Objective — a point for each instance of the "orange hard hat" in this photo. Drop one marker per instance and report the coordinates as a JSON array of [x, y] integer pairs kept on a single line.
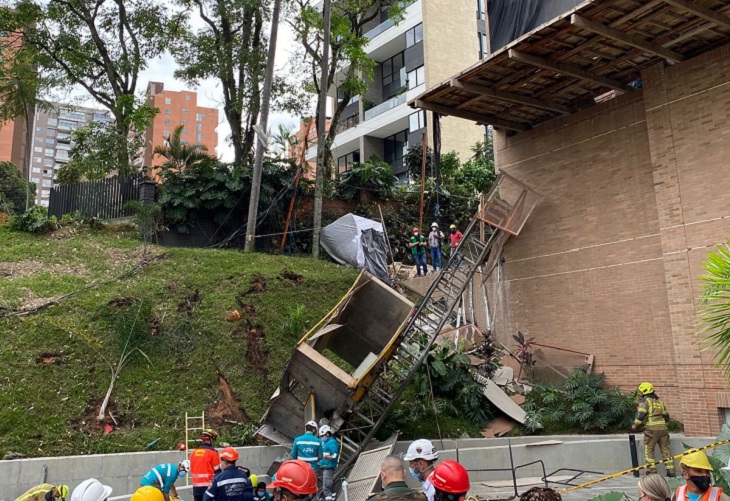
[[296, 476], [229, 454]]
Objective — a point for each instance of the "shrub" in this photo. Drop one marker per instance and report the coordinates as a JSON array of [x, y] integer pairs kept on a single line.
[[34, 220]]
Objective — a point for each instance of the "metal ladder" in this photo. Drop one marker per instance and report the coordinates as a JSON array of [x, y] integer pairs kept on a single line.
[[365, 417], [192, 424]]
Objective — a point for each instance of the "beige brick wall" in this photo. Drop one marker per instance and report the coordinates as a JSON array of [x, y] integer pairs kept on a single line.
[[635, 192], [450, 45]]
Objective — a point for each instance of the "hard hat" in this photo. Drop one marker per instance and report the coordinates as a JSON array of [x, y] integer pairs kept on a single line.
[[210, 433], [452, 227], [311, 424], [254, 480], [92, 490], [696, 460], [421, 449], [147, 493], [434, 225], [646, 388], [324, 430], [296, 476], [229, 454], [184, 464], [449, 476], [415, 229], [62, 491]]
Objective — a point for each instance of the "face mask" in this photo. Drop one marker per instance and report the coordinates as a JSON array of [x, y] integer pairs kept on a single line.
[[413, 473], [453, 231], [702, 483], [182, 474], [415, 234], [262, 494]]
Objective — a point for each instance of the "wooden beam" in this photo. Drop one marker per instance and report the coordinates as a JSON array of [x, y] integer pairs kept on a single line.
[[626, 38], [568, 69], [701, 11], [511, 97], [470, 115]]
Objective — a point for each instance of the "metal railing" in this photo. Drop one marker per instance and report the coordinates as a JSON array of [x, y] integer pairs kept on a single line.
[[383, 107]]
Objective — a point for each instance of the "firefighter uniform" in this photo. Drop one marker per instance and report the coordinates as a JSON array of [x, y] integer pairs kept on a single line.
[[653, 415]]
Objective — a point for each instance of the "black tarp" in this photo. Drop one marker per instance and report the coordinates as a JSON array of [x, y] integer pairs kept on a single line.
[[375, 250]]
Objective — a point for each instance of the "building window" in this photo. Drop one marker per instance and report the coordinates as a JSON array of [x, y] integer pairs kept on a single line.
[[167, 100], [391, 68], [199, 117], [345, 162], [47, 183], [48, 162], [49, 152], [38, 149], [36, 180], [53, 122], [416, 121], [481, 10], [167, 111], [166, 133], [414, 35], [184, 110], [199, 137], [184, 121], [51, 133], [199, 127], [482, 45], [36, 170], [416, 77], [50, 140], [184, 141], [167, 121], [394, 147], [187, 97], [39, 129], [38, 160]]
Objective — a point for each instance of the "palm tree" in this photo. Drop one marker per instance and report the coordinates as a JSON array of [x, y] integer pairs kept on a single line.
[[181, 155], [715, 304]]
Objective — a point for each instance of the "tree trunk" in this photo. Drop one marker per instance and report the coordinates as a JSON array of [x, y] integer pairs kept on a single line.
[[105, 403]]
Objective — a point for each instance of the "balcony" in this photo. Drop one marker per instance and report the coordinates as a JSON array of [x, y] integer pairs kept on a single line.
[[347, 123], [383, 107], [379, 29]]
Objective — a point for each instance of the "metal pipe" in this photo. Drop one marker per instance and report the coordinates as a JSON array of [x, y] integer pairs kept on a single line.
[[634, 455]]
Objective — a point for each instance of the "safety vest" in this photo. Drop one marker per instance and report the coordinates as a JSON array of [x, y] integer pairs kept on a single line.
[[36, 493], [653, 410], [711, 494], [203, 462]]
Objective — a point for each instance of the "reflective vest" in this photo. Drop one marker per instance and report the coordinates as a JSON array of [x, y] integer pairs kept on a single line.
[[711, 494], [652, 410], [37, 493], [308, 448], [203, 462]]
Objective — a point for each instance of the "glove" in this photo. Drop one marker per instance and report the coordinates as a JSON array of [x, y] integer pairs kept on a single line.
[[634, 427]]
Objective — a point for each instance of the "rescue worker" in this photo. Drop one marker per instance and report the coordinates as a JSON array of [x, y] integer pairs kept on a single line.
[[696, 471], [421, 457], [261, 493], [147, 493], [455, 237], [451, 481], [45, 492], [308, 447], [294, 482], [652, 413], [330, 458], [163, 477], [393, 481], [204, 464], [418, 250], [435, 239], [91, 490], [232, 483]]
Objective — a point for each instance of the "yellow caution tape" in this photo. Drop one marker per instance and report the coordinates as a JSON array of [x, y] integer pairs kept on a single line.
[[647, 465]]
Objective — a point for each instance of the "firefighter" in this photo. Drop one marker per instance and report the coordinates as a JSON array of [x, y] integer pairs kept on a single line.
[[653, 415], [45, 492], [450, 480], [204, 464], [232, 483], [308, 447]]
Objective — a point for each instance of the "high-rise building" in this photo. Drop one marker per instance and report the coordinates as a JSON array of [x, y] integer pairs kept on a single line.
[[435, 39], [13, 132], [52, 142], [297, 144], [178, 108]]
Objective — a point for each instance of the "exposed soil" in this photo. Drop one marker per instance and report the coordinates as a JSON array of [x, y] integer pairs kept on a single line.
[[258, 286], [25, 268], [187, 305], [257, 355], [294, 278], [30, 301], [49, 357], [87, 421], [119, 303], [227, 408]]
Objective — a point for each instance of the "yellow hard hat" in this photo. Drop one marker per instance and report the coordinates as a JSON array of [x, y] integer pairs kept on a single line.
[[696, 460], [254, 480], [62, 491], [147, 493], [646, 388], [452, 227]]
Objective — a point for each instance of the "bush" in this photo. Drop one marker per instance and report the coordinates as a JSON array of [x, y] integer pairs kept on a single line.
[[34, 220], [580, 404]]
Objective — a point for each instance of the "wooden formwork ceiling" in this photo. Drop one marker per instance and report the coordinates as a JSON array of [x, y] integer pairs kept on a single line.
[[595, 51]]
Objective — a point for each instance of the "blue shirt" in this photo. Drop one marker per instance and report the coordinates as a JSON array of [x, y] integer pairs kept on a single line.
[[263, 497], [330, 447], [308, 448], [162, 476], [230, 484]]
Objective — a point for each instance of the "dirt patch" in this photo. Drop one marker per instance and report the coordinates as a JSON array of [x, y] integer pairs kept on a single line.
[[49, 357], [187, 305], [227, 408], [247, 309], [119, 257], [119, 303], [88, 423], [258, 286], [25, 268], [30, 301], [294, 278], [257, 355]]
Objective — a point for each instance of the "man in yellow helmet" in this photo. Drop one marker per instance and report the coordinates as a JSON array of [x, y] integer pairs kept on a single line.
[[696, 471], [45, 492], [653, 415]]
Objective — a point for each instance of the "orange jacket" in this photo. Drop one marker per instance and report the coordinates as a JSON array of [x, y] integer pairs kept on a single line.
[[204, 462]]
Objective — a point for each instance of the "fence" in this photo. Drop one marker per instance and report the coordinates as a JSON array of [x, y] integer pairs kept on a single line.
[[101, 198]]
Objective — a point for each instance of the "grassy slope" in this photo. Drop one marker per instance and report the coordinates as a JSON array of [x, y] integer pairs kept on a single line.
[[49, 408]]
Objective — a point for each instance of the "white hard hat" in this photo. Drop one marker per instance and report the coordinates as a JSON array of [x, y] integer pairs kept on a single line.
[[185, 464], [324, 430], [434, 224], [313, 424], [421, 449], [91, 490]]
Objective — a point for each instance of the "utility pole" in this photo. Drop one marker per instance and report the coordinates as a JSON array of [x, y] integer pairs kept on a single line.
[[321, 133], [258, 165]]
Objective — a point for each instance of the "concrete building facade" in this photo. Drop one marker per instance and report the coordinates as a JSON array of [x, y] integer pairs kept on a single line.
[[178, 108]]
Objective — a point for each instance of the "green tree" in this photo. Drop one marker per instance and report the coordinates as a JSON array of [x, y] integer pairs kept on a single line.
[[14, 189], [180, 155], [364, 180], [715, 304]]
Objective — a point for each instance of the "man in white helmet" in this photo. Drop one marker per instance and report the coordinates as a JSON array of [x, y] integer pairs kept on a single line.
[[421, 457], [308, 447], [91, 490]]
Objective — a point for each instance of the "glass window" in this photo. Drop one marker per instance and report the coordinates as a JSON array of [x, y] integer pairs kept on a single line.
[[51, 133], [53, 122], [416, 77], [50, 140], [187, 97], [481, 10], [417, 121], [199, 137], [47, 183], [345, 162], [45, 171], [183, 141], [39, 129], [48, 162], [394, 145], [68, 124], [184, 110], [184, 121], [482, 45], [36, 180], [391, 68], [36, 170], [167, 111], [38, 149], [49, 152], [167, 121], [199, 117], [167, 100], [199, 127], [38, 160], [414, 35]]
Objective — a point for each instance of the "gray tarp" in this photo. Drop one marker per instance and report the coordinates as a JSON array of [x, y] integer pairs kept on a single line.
[[510, 19], [359, 242]]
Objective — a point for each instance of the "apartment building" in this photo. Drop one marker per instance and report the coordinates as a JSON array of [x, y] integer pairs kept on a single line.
[[13, 132], [296, 144], [52, 142], [178, 108], [435, 39]]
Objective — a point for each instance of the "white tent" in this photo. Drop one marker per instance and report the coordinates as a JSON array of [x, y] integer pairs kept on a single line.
[[343, 240]]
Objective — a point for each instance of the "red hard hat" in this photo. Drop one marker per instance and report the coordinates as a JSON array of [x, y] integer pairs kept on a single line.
[[296, 476], [415, 230], [229, 454], [449, 476]]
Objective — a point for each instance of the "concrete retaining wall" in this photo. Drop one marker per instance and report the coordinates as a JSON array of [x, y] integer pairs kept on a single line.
[[603, 453]]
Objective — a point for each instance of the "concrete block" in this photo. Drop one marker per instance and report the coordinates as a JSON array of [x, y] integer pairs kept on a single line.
[[115, 465]]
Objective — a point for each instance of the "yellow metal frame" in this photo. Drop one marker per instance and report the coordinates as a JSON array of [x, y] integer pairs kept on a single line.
[[188, 429]]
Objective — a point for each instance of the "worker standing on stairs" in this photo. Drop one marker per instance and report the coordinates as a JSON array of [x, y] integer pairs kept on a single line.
[[330, 458], [45, 492], [653, 415], [308, 447], [421, 457], [204, 464], [451, 481], [418, 249]]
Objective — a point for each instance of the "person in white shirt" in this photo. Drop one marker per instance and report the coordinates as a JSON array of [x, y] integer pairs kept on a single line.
[[421, 457]]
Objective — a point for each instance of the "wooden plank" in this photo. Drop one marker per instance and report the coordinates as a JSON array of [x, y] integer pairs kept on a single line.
[[701, 11], [626, 38], [541, 104], [635, 13], [568, 69], [470, 115]]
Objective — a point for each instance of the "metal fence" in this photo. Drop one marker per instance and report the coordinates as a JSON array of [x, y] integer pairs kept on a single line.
[[101, 198]]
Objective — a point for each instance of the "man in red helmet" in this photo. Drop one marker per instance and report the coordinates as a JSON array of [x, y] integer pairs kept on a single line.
[[450, 480], [204, 464], [295, 481], [232, 483]]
